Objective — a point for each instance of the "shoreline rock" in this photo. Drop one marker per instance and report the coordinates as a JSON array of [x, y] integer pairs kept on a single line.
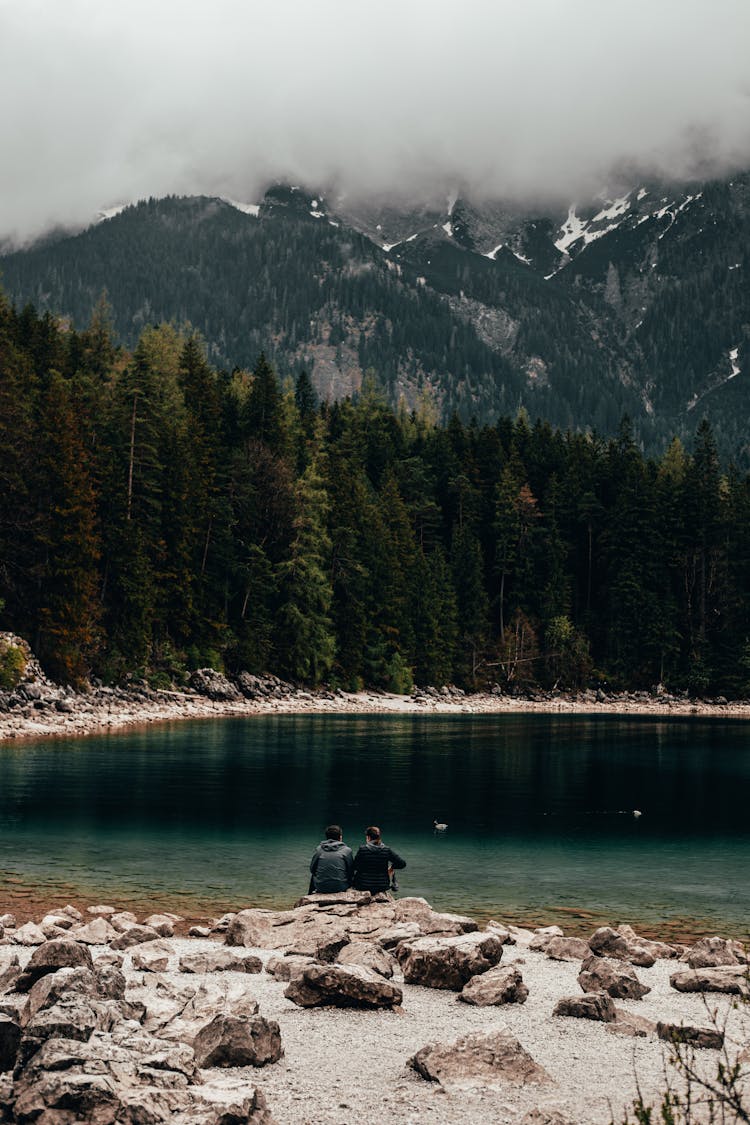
[[190, 1031], [39, 708]]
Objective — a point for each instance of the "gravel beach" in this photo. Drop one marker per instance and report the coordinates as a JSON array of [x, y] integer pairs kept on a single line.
[[57, 713], [342, 1065]]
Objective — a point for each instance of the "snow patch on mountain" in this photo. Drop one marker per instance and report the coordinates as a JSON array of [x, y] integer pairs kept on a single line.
[[718, 379], [246, 208], [388, 246], [733, 354], [110, 212], [492, 254], [572, 229], [577, 229], [673, 210], [616, 208]]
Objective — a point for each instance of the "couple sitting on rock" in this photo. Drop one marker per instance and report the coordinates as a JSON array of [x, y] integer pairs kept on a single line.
[[334, 868]]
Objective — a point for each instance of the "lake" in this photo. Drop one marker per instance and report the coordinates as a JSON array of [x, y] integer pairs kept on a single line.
[[206, 816]]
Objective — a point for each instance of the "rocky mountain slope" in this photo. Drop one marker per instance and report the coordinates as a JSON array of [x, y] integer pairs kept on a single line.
[[636, 304]]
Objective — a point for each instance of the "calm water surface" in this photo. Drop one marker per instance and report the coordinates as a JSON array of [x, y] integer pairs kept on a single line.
[[209, 815]]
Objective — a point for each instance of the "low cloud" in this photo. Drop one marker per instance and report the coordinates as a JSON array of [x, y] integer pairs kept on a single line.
[[545, 99]]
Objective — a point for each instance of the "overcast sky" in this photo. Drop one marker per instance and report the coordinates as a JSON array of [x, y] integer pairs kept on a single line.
[[109, 101]]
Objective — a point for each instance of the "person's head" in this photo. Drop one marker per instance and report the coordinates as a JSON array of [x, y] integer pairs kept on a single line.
[[372, 834], [333, 832]]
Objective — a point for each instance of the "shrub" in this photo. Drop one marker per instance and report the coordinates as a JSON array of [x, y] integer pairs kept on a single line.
[[12, 665], [400, 679]]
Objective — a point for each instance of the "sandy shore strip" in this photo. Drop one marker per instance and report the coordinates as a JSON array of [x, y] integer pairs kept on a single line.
[[342, 1065], [53, 712]]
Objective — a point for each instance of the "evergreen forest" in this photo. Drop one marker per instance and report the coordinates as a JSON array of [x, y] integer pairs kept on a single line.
[[158, 515]]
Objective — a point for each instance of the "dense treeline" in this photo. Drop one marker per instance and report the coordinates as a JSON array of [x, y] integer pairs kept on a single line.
[[157, 515]]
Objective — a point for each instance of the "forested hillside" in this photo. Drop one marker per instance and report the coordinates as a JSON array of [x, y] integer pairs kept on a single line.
[[158, 515], [638, 305]]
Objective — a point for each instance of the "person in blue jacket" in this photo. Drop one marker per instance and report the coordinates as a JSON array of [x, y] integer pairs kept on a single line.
[[332, 863]]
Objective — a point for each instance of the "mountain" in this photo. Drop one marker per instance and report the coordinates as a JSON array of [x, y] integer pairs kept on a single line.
[[637, 304]]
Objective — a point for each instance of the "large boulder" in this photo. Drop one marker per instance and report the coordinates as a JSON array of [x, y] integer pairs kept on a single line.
[[449, 962], [617, 978], [594, 1006], [430, 921], [367, 955], [96, 932], [250, 927], [606, 942], [502, 931], [46, 992], [178, 1012], [324, 944], [342, 986], [713, 952], [287, 968], [543, 935], [479, 1057], [10, 1039], [72, 1017], [122, 921], [503, 985], [59, 921], [661, 950], [110, 980], [134, 935], [705, 1037], [208, 682], [391, 936], [61, 953], [29, 934], [232, 1041], [220, 960], [215, 1105], [9, 974], [567, 949], [162, 923], [138, 1080], [151, 956], [631, 1025], [732, 979]]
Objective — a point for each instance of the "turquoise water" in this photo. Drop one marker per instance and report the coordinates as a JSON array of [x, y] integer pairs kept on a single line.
[[210, 815]]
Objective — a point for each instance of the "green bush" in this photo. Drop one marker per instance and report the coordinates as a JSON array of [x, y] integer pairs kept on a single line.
[[400, 679], [12, 666]]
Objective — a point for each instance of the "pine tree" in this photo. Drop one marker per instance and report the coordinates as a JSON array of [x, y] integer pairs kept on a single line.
[[261, 415], [21, 554], [304, 636], [472, 604], [70, 609]]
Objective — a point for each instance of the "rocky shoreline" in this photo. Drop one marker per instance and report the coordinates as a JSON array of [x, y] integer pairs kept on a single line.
[[38, 708], [349, 1008]]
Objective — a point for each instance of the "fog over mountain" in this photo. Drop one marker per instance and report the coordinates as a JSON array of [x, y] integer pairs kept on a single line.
[[547, 99]]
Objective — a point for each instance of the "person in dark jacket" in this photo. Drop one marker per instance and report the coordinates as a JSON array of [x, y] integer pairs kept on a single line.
[[332, 863], [372, 863]]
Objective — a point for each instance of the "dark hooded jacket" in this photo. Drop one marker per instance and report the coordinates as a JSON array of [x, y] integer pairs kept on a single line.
[[331, 867], [371, 865]]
